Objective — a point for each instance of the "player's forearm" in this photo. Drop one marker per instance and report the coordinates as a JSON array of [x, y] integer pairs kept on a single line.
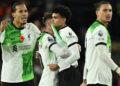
[[101, 50], [72, 58], [0, 33], [4, 24], [2, 36], [1, 29], [60, 51], [85, 73]]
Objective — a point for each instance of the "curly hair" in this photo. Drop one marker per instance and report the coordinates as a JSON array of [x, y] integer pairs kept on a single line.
[[64, 11]]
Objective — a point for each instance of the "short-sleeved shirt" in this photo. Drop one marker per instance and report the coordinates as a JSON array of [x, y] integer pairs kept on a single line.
[[17, 52], [48, 78], [97, 70]]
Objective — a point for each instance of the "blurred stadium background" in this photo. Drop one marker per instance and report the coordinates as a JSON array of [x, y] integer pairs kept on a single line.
[[83, 14]]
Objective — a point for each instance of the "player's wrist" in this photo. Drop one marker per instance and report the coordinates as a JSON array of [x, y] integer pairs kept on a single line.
[[0, 30], [84, 81], [117, 70]]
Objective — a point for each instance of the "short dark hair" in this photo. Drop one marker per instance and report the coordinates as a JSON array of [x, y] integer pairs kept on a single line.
[[64, 11], [47, 15], [98, 5], [13, 9]]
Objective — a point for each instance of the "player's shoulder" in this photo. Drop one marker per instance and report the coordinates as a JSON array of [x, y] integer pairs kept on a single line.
[[45, 36], [33, 27], [30, 24], [100, 28], [67, 31]]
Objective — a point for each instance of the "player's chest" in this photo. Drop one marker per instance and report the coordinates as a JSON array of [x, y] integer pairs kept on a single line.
[[27, 36]]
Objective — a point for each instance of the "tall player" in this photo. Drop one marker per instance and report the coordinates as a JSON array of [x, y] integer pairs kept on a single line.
[[18, 39], [98, 62]]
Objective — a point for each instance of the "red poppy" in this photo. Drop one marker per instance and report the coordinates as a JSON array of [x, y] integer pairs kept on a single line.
[[22, 38]]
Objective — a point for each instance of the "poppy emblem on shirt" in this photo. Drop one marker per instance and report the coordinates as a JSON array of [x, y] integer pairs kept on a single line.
[[22, 38]]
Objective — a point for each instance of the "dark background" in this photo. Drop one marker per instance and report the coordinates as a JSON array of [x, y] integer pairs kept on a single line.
[[83, 15]]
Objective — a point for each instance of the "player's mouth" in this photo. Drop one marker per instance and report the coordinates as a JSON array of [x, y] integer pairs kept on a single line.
[[24, 18], [108, 17]]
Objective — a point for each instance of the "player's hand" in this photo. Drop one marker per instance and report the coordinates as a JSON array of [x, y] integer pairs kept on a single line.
[[37, 54], [118, 70], [83, 84], [79, 47], [3, 24], [53, 67], [49, 28]]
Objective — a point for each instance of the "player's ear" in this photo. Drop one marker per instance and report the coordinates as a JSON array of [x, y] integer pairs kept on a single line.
[[97, 12], [64, 19], [13, 14]]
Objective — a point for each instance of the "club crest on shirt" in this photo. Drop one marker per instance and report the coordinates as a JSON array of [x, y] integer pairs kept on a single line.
[[50, 39], [100, 33]]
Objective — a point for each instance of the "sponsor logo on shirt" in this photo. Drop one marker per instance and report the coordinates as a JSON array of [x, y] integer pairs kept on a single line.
[[16, 48], [24, 47], [100, 38]]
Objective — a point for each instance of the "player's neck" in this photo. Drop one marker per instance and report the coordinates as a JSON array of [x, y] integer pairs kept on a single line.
[[104, 23], [18, 25], [62, 26]]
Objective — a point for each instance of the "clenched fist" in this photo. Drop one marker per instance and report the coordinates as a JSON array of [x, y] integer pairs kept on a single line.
[[3, 24]]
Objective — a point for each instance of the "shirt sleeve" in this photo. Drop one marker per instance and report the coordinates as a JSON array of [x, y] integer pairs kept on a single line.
[[48, 41], [100, 36], [102, 53], [60, 51], [75, 55], [36, 30], [2, 36], [72, 42], [69, 37], [85, 72]]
